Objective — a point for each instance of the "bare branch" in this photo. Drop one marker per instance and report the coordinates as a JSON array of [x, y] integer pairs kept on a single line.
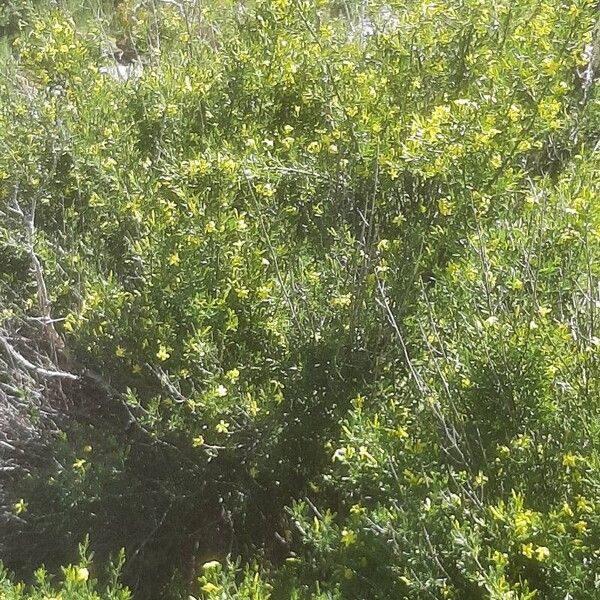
[[47, 373]]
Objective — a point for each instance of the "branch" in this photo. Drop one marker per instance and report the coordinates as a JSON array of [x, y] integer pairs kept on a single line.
[[592, 54], [42, 290], [164, 379], [47, 373]]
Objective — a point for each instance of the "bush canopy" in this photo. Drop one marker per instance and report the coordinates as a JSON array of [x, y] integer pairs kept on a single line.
[[300, 299]]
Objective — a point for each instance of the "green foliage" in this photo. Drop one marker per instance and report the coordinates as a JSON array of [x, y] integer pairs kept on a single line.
[[218, 581], [76, 583], [339, 266]]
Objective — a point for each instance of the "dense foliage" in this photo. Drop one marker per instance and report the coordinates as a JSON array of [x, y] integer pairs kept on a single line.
[[300, 300]]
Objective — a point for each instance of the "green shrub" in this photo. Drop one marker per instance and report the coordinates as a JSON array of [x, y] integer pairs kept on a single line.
[[76, 583], [327, 274]]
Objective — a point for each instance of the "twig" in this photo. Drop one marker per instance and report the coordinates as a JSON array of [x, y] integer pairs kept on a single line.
[[48, 374], [167, 383], [272, 253]]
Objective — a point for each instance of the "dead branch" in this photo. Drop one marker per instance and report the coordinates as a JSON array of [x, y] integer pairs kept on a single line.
[[43, 372]]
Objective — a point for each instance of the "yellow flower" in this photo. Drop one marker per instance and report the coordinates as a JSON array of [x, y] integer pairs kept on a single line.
[[232, 375], [480, 479], [584, 505], [263, 292], [82, 574], [266, 190], [210, 588], [542, 553], [162, 353], [567, 510], [222, 427], [445, 207], [120, 351], [198, 441], [523, 522], [581, 527], [68, 323], [383, 244], [365, 455], [412, 478], [79, 464], [341, 301], [348, 537], [20, 506], [174, 259], [314, 147], [527, 550], [401, 432]]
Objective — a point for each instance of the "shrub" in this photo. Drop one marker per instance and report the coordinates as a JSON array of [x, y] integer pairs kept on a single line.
[[324, 276], [76, 583]]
